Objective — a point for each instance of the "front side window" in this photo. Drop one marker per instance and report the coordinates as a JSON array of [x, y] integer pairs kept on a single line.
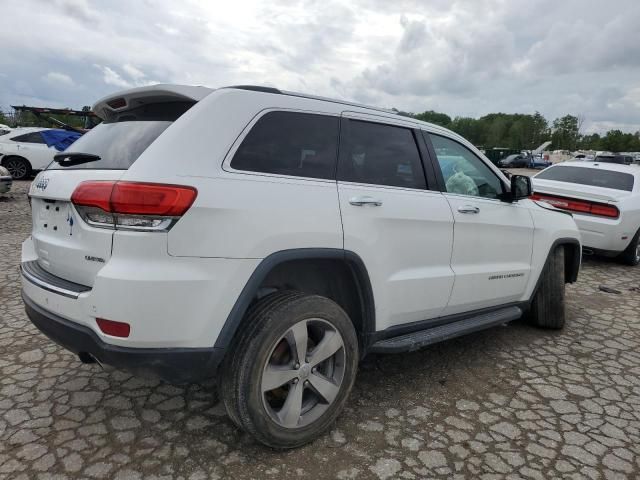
[[463, 172], [381, 155], [290, 143]]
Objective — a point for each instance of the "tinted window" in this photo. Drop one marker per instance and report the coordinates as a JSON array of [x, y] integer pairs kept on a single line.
[[33, 137], [463, 172], [290, 143], [589, 176], [119, 142], [381, 155]]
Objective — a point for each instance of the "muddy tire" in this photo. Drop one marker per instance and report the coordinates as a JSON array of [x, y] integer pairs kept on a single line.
[[631, 255]]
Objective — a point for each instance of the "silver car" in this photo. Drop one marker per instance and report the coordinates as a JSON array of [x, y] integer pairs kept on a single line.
[[5, 180]]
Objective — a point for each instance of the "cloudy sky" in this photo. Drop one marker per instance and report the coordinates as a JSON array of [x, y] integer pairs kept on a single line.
[[464, 58]]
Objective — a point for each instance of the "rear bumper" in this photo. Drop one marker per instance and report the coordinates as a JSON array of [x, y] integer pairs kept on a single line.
[[174, 365], [603, 234]]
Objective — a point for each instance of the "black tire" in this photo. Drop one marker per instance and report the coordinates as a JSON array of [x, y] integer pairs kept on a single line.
[[243, 373], [548, 305], [631, 255], [18, 167]]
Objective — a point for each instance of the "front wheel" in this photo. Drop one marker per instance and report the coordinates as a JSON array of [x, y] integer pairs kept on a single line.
[[548, 306], [291, 370], [631, 255]]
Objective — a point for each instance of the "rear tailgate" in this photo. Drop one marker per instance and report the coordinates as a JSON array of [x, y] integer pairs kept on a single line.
[[66, 246]]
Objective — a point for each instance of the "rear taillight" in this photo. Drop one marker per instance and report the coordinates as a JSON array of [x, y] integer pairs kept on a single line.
[[578, 206], [132, 205]]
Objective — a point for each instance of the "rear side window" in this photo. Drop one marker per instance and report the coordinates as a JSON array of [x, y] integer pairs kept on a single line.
[[381, 155], [119, 142], [589, 176], [290, 143], [33, 137]]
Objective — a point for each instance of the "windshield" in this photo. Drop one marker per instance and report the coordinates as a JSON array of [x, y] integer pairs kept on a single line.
[[589, 176], [120, 142]]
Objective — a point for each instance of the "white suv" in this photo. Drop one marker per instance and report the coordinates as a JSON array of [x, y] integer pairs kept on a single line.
[[272, 239]]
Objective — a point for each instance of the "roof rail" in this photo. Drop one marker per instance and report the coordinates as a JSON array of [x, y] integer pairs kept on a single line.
[[258, 88], [255, 88]]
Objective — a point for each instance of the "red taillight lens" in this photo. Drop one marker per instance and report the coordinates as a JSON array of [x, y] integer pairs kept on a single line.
[[132, 205], [579, 206], [115, 329], [151, 199], [93, 194]]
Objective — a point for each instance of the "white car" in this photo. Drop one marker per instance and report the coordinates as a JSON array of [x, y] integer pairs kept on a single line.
[[23, 151], [273, 239], [604, 199]]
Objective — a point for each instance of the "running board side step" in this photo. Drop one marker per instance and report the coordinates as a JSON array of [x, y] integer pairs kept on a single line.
[[415, 340]]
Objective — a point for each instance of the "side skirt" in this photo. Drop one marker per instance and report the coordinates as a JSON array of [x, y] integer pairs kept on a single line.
[[473, 322]]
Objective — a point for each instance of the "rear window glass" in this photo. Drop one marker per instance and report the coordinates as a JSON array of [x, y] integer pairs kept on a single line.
[[290, 143], [34, 137], [119, 142], [589, 176]]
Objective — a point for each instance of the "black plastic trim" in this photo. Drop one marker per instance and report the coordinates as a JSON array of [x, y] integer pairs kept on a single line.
[[249, 291], [256, 88], [174, 365], [34, 273], [420, 325]]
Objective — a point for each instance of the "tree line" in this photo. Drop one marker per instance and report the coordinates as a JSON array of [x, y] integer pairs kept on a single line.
[[526, 132]]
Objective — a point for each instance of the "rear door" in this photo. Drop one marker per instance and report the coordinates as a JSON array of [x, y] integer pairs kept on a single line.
[[493, 240], [402, 230], [67, 246]]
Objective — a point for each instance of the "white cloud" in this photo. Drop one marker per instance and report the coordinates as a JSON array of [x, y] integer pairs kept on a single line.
[[57, 78], [468, 57]]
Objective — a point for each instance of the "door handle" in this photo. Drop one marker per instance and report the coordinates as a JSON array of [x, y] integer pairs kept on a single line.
[[468, 209], [364, 200]]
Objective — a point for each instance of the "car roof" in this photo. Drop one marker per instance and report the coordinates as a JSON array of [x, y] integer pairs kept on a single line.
[[197, 93], [616, 167]]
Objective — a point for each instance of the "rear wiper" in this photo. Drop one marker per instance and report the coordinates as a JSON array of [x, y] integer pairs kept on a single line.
[[69, 159]]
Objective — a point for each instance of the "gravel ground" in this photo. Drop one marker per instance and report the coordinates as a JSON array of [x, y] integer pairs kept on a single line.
[[510, 402]]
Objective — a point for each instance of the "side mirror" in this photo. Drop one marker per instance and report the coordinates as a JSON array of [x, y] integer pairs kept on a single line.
[[520, 187]]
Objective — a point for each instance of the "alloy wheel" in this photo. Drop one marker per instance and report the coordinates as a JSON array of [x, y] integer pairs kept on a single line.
[[17, 168], [303, 373]]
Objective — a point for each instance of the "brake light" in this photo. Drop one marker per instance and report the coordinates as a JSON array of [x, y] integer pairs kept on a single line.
[[579, 206], [132, 205], [115, 329]]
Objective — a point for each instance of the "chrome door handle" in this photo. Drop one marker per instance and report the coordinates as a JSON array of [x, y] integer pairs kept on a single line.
[[468, 209], [365, 200]]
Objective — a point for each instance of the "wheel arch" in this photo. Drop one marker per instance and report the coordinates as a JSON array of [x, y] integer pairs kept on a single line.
[[309, 270], [6, 157], [572, 261]]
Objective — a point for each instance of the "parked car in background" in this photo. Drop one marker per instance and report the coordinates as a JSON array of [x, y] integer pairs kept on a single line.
[[614, 158], [4, 129], [604, 199], [5, 180], [267, 260], [514, 161], [27, 150]]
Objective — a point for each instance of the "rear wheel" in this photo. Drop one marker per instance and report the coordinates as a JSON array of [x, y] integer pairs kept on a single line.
[[18, 167], [548, 306], [631, 255], [291, 371]]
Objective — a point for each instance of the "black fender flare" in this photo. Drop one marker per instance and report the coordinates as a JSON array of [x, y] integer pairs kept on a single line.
[[572, 264], [355, 263]]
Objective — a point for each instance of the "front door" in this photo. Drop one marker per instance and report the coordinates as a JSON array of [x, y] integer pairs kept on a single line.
[[493, 239]]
